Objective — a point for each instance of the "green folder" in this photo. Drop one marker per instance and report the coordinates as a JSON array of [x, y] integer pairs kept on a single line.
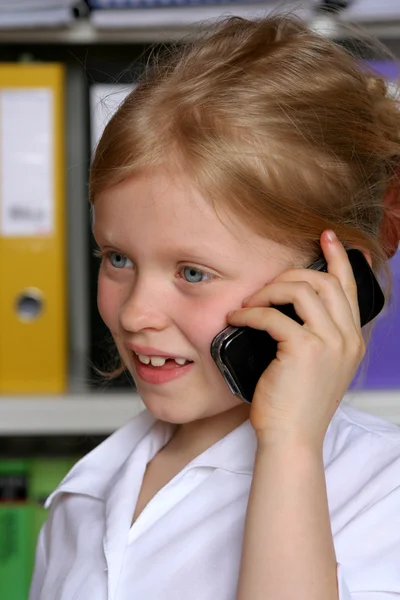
[[45, 475], [15, 530], [24, 487]]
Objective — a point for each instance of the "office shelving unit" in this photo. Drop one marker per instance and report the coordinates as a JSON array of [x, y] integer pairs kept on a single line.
[[83, 32], [84, 414], [170, 23], [97, 414], [83, 411]]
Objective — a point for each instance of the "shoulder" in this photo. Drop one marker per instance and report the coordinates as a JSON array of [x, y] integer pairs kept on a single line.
[[361, 458], [351, 427], [362, 467], [362, 462], [360, 446]]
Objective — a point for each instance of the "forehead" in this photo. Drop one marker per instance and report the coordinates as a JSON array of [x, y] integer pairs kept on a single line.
[[155, 197], [160, 209]]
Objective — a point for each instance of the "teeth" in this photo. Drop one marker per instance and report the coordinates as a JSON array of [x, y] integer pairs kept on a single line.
[[144, 359], [180, 361], [158, 361]]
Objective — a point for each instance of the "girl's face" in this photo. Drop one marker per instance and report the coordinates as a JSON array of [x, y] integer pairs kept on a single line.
[[170, 272]]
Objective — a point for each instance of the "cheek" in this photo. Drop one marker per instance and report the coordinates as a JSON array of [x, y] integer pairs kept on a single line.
[[108, 303], [208, 320]]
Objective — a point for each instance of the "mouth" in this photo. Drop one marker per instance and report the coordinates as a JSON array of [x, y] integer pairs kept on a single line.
[[168, 371], [161, 362], [164, 364]]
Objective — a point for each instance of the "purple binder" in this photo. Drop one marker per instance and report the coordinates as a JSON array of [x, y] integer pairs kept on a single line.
[[381, 367]]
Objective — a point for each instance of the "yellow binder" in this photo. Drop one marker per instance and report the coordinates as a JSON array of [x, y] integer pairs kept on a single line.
[[33, 311]]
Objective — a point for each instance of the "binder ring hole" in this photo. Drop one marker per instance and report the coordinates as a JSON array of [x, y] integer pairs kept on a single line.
[[30, 305]]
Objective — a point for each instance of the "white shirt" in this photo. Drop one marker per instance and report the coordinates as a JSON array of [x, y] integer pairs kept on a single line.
[[186, 544]]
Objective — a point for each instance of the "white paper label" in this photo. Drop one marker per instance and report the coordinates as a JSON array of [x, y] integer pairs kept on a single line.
[[26, 162]]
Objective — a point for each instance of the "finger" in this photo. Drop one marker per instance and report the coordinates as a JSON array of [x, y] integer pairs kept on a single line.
[[330, 291], [307, 304], [280, 327], [339, 265]]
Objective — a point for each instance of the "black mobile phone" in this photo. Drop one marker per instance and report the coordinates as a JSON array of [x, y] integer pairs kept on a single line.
[[242, 353]]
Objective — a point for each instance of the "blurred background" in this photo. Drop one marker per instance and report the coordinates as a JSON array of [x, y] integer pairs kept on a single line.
[[64, 68]]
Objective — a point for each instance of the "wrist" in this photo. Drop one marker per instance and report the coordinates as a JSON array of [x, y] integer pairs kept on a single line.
[[288, 442]]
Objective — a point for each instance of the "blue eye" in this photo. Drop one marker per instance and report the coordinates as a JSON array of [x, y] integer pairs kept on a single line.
[[193, 275], [119, 261]]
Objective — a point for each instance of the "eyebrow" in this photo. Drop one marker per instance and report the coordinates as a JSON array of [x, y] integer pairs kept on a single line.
[[205, 253], [208, 257]]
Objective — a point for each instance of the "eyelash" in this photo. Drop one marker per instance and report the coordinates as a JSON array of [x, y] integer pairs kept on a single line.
[[106, 254]]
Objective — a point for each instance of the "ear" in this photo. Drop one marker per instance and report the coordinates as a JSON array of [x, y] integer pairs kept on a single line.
[[367, 255]]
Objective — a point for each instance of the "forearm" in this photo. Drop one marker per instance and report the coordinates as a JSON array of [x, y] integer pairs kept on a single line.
[[288, 551]]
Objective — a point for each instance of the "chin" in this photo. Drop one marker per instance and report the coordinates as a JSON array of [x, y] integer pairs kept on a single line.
[[178, 412], [170, 414], [174, 409]]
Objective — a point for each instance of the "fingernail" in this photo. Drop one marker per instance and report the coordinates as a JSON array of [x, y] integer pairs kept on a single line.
[[331, 235]]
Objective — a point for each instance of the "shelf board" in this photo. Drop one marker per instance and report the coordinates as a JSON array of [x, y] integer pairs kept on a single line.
[[103, 413], [156, 25], [383, 403], [74, 414]]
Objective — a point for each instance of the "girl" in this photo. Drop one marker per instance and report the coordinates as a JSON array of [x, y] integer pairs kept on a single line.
[[224, 175]]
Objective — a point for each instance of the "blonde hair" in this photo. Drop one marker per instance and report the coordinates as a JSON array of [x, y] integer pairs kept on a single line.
[[273, 121]]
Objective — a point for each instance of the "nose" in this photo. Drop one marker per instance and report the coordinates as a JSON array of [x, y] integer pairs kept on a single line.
[[144, 308]]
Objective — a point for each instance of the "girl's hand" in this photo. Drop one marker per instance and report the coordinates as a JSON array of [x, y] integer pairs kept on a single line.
[[299, 392]]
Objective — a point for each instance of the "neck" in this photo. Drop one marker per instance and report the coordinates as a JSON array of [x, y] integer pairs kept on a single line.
[[191, 439]]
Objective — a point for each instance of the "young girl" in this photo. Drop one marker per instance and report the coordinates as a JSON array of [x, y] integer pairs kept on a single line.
[[231, 168]]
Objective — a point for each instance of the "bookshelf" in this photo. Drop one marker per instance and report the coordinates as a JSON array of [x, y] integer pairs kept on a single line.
[[74, 414], [157, 25], [85, 46], [102, 413]]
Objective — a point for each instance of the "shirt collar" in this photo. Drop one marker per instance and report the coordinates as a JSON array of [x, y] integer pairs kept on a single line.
[[91, 475], [94, 473]]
